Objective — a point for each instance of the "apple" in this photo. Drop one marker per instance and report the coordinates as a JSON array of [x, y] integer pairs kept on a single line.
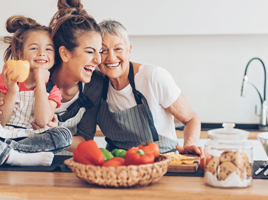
[[203, 161], [21, 67]]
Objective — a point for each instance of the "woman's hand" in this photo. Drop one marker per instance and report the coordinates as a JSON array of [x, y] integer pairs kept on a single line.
[[191, 150], [53, 123]]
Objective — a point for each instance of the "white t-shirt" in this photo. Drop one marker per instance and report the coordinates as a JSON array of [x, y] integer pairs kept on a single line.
[[160, 90], [65, 105]]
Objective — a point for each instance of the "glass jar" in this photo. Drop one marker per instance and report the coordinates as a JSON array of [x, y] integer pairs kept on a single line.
[[229, 157]]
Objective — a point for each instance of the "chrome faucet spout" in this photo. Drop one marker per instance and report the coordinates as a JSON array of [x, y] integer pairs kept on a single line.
[[264, 69], [263, 121]]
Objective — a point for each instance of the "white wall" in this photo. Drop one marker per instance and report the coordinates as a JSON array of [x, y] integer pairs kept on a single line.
[[209, 69], [207, 60]]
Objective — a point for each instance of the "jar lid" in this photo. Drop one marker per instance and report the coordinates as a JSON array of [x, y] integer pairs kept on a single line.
[[228, 132]]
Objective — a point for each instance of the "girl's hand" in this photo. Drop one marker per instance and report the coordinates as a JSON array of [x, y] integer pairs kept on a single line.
[[12, 86], [53, 123], [41, 75]]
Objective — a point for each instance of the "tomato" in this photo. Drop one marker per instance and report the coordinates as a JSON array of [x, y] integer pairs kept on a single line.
[[21, 67], [150, 148], [203, 161], [114, 162]]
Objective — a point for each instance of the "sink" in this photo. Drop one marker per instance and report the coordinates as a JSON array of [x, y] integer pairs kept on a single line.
[[209, 126]]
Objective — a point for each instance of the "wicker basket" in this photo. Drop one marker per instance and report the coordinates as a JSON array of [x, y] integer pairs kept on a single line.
[[122, 176]]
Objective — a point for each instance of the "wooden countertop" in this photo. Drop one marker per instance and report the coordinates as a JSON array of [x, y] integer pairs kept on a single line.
[[58, 185], [203, 134]]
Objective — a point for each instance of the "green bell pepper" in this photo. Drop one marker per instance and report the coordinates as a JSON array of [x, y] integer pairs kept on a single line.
[[119, 153], [107, 155]]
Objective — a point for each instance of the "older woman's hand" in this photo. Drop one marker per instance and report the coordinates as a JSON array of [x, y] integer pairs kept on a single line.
[[53, 123], [191, 149]]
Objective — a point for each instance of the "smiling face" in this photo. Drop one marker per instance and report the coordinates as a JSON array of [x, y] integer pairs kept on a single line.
[[38, 50], [115, 57], [86, 57]]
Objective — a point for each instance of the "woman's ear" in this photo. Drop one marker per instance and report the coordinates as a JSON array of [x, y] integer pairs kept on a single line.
[[19, 53], [130, 48], [64, 54]]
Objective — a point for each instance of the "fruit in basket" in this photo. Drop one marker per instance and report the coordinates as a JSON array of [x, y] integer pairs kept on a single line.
[[20, 67], [135, 156], [151, 147], [107, 154], [80, 158], [119, 153], [114, 162], [88, 152]]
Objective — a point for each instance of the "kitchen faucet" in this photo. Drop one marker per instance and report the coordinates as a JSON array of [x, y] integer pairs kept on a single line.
[[263, 122]]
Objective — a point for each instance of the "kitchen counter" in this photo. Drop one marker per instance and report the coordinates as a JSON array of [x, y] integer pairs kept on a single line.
[[58, 185], [203, 134]]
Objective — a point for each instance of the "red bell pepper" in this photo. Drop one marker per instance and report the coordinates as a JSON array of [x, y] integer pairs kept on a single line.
[[151, 147], [80, 158], [135, 156], [87, 152], [115, 162]]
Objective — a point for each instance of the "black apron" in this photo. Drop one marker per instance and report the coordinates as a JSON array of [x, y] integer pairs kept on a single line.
[[128, 128]]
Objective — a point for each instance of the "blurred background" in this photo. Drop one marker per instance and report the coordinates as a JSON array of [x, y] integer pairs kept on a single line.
[[204, 44]]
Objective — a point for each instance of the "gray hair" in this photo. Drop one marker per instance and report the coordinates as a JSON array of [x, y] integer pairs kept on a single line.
[[115, 28]]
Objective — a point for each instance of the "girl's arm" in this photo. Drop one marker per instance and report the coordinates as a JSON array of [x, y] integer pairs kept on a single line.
[[8, 107], [10, 96], [43, 107]]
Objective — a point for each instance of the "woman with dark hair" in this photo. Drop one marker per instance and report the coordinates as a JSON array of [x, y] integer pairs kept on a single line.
[[77, 43]]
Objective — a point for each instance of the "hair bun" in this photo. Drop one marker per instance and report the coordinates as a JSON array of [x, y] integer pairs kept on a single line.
[[17, 22], [67, 4]]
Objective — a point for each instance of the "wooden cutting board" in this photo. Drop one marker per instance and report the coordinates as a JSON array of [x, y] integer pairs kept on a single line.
[[183, 168], [186, 168]]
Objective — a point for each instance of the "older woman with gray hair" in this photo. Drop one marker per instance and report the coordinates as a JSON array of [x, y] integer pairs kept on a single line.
[[140, 101]]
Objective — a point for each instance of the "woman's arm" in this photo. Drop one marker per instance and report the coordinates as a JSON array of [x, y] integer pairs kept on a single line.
[[181, 110], [76, 141]]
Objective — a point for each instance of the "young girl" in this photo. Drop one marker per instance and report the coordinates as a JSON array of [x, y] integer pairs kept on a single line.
[[34, 100]]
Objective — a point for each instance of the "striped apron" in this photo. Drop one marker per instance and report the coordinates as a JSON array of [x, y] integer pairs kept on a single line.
[[130, 127], [20, 123]]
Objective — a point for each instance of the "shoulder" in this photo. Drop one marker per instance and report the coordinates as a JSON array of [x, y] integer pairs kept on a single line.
[[95, 85], [153, 72]]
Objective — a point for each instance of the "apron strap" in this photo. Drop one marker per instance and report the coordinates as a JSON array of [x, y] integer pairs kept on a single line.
[[136, 93], [49, 86], [105, 87], [82, 101], [140, 99]]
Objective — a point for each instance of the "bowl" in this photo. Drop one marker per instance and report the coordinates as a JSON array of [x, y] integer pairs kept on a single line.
[[263, 138], [122, 176]]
